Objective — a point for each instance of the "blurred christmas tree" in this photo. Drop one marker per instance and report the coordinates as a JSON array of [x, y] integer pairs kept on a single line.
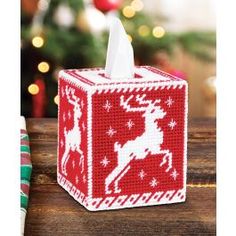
[[61, 34]]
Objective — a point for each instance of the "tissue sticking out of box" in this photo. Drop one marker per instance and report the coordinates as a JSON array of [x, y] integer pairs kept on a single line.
[[120, 55]]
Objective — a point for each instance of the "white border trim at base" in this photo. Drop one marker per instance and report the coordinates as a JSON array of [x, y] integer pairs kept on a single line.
[[72, 190], [176, 196]]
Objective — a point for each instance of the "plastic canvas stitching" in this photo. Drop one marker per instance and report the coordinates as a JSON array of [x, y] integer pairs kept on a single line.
[[128, 200]]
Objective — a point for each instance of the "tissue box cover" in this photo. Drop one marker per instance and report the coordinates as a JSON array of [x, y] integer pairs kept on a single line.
[[122, 143]]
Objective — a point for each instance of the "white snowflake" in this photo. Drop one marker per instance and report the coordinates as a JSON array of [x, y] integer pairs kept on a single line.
[[107, 106], [69, 115], [76, 179], [84, 179], [111, 132], [104, 162], [62, 143], [82, 104], [64, 117], [169, 102], [172, 124], [83, 126], [130, 124], [174, 174], [142, 174], [153, 183]]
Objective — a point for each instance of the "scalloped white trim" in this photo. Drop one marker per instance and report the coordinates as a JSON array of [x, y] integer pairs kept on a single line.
[[137, 200], [146, 86], [72, 190], [72, 80], [129, 86], [122, 201]]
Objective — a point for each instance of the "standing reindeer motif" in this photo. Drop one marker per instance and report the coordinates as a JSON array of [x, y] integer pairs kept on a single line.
[[73, 136], [147, 143]]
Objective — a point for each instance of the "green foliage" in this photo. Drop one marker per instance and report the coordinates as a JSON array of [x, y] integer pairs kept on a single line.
[[200, 44], [70, 48], [73, 48]]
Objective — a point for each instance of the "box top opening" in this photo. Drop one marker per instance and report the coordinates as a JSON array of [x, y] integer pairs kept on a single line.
[[94, 79], [96, 76]]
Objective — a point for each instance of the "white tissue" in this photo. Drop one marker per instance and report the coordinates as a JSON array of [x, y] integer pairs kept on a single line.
[[120, 55]]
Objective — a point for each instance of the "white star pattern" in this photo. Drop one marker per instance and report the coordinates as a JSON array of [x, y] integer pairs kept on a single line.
[[130, 124], [107, 106], [84, 179], [169, 102], [62, 143], [83, 126], [174, 174], [64, 117], [105, 162], [76, 179], [142, 174], [82, 104], [111, 132], [69, 115], [153, 183], [172, 124]]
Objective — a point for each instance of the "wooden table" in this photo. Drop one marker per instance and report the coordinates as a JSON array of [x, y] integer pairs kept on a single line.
[[53, 212]]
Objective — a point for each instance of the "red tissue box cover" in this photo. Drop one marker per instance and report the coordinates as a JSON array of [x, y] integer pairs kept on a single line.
[[122, 143]]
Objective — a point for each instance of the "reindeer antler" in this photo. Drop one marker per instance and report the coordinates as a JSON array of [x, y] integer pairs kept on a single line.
[[140, 100], [71, 92], [127, 107]]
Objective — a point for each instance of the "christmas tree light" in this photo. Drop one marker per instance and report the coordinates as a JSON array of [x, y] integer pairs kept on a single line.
[[56, 99], [128, 11], [43, 67], [143, 30], [37, 41], [130, 37], [158, 32], [33, 89], [137, 5]]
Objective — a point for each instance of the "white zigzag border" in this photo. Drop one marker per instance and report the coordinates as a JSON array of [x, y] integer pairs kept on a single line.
[[123, 201], [72, 190], [128, 87]]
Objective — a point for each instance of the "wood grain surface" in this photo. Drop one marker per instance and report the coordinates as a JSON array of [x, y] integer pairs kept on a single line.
[[53, 212]]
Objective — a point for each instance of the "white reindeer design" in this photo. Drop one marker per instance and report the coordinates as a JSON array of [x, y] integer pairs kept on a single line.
[[147, 143], [73, 136]]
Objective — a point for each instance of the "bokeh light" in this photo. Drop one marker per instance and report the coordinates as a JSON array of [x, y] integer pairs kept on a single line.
[[37, 41], [56, 99], [128, 11], [137, 5], [130, 38], [33, 89], [158, 32], [144, 30], [43, 67]]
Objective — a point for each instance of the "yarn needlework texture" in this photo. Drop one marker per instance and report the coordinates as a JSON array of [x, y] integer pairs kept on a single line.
[[122, 143]]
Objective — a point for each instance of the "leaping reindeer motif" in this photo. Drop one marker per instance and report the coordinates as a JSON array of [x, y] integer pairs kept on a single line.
[[147, 143], [73, 136]]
